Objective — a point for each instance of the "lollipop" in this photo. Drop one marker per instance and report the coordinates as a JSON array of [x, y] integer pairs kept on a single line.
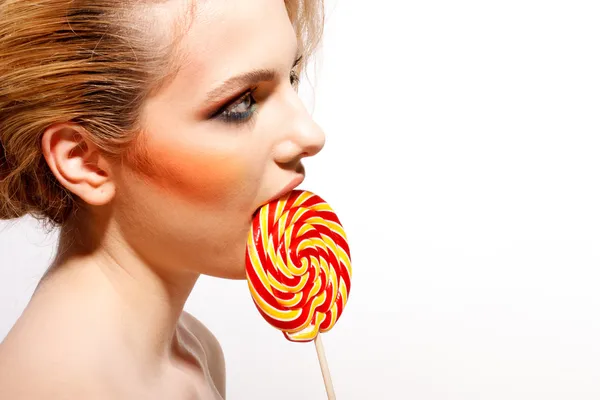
[[298, 266]]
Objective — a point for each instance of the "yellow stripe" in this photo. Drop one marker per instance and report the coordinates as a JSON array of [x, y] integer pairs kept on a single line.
[[290, 289], [277, 261], [255, 261], [298, 214], [344, 292], [333, 278], [304, 229], [337, 229], [280, 315], [313, 306], [263, 226], [316, 287], [321, 207], [287, 239], [311, 331], [304, 196], [345, 261], [316, 220], [334, 318], [282, 224], [292, 302], [279, 209]]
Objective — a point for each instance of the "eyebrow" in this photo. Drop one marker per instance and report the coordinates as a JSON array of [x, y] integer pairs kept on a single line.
[[231, 85], [244, 80]]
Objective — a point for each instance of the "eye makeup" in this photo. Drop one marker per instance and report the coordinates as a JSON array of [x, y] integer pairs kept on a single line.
[[240, 111], [244, 108]]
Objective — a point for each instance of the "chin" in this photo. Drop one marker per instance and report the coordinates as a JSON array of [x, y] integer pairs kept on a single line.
[[229, 273], [230, 268], [227, 257], [237, 275]]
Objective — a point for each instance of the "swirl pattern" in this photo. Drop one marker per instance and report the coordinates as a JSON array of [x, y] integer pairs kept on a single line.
[[298, 265]]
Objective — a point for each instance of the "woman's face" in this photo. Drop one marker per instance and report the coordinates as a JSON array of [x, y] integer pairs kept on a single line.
[[224, 137]]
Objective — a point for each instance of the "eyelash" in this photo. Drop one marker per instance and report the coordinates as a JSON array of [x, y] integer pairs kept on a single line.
[[227, 115]]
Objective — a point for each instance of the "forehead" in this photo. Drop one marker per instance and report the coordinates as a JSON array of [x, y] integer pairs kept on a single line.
[[227, 37]]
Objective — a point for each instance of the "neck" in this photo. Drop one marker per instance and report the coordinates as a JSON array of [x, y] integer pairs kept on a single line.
[[136, 302]]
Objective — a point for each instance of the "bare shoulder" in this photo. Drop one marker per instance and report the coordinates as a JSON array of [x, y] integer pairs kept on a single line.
[[48, 354], [212, 348], [36, 370]]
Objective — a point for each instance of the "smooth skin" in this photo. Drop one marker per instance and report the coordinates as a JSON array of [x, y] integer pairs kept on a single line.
[[107, 320]]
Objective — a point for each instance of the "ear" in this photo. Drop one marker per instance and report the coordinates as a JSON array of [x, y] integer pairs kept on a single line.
[[78, 164]]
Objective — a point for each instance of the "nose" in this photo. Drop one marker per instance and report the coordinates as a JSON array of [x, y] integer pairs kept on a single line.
[[302, 137]]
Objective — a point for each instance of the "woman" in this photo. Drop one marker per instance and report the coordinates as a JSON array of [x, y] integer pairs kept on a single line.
[[150, 132]]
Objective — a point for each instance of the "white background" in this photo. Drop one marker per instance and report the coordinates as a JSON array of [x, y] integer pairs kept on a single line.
[[463, 159]]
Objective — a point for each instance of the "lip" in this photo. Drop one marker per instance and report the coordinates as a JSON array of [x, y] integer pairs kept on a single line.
[[288, 188]]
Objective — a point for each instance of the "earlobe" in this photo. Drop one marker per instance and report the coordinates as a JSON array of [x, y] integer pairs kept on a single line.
[[78, 164]]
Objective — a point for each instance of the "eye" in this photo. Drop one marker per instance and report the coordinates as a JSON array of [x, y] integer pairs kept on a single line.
[[294, 79], [294, 76], [241, 110]]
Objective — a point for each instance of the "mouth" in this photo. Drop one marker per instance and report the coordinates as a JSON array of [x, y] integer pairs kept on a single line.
[[288, 188], [295, 182]]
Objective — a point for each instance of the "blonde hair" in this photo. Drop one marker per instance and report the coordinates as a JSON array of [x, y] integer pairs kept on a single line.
[[90, 63]]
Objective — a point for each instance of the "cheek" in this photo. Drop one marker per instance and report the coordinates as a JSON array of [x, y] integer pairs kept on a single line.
[[199, 176]]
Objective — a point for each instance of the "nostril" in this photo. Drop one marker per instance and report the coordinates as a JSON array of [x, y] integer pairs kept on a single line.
[[294, 165], [289, 166]]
